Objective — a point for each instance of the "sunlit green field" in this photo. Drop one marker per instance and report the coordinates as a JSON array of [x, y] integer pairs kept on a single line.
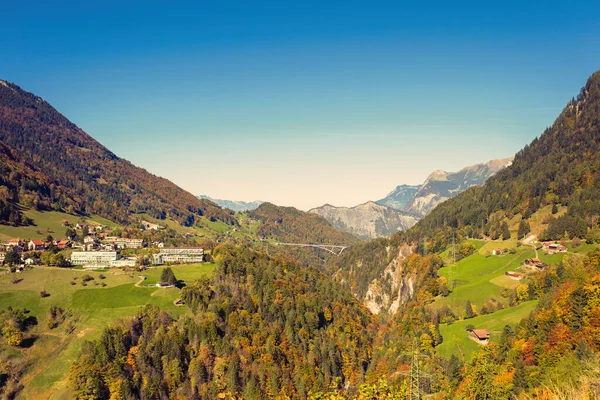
[[456, 338], [47, 223], [478, 278], [94, 307]]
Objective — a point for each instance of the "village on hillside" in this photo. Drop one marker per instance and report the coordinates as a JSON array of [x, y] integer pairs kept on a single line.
[[94, 247]]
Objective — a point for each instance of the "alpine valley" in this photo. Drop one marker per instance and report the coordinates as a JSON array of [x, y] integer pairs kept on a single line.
[[478, 284]]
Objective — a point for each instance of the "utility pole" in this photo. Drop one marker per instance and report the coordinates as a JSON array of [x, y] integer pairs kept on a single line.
[[415, 391], [453, 262]]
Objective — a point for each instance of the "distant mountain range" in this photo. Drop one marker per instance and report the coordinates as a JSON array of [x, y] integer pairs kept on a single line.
[[441, 185], [368, 220], [234, 204], [407, 204]]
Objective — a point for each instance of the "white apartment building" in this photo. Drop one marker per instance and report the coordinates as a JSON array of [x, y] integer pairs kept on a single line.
[[94, 259], [124, 262], [179, 255], [125, 243]]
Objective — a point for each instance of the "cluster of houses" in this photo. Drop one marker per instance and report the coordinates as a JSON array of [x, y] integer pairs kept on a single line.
[[91, 242], [21, 246], [535, 263], [31, 246], [98, 251], [499, 251], [112, 259]]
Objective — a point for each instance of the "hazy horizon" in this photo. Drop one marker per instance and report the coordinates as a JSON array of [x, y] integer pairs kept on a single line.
[[284, 104]]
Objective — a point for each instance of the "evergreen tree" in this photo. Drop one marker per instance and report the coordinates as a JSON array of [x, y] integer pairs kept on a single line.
[[505, 231], [469, 310], [554, 208], [506, 340], [168, 276], [520, 377], [454, 368], [524, 229], [577, 301]]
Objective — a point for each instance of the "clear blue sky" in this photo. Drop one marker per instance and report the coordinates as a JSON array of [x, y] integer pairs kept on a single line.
[[302, 103]]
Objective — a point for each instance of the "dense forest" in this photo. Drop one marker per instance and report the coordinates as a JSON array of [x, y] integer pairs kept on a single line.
[[20, 183], [263, 328], [260, 328], [68, 170]]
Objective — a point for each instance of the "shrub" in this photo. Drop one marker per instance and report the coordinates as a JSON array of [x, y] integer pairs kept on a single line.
[[43, 293]]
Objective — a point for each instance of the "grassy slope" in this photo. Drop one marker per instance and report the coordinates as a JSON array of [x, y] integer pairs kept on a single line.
[[473, 278], [478, 279], [456, 338], [95, 307], [207, 230], [46, 223]]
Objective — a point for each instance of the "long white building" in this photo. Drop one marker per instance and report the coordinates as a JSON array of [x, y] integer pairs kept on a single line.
[[94, 259], [179, 255]]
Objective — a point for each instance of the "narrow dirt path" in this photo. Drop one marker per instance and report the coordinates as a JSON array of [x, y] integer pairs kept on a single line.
[[142, 279]]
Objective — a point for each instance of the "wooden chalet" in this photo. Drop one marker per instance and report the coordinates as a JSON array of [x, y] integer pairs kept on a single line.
[[480, 334], [535, 263]]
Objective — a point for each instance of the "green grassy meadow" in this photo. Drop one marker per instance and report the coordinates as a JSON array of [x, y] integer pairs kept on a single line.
[[47, 223], [205, 229], [456, 338], [93, 307], [478, 278]]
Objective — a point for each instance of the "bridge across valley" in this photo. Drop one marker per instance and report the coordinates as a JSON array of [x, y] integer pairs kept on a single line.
[[333, 249]]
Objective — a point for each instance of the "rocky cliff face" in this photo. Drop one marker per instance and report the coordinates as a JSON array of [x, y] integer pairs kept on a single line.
[[368, 221], [391, 288]]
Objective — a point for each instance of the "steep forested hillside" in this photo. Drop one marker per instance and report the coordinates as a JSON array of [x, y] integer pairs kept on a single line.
[[20, 182], [288, 224], [260, 329], [70, 171], [559, 167]]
